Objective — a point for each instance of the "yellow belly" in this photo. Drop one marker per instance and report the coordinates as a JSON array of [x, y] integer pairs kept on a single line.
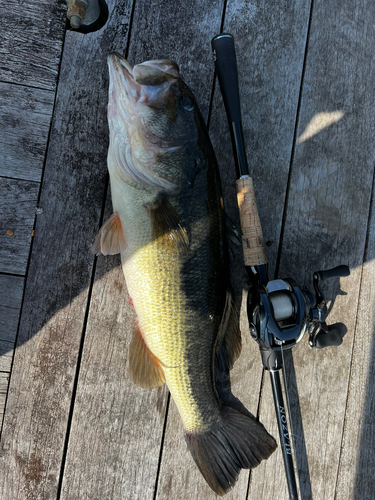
[[174, 331]]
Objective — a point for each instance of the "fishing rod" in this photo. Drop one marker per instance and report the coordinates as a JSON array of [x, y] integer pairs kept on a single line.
[[279, 311]]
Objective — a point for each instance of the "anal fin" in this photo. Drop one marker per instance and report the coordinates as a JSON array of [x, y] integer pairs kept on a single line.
[[110, 239], [144, 367]]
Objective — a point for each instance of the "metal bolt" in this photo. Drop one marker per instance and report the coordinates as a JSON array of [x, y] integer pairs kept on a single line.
[[76, 13], [75, 21]]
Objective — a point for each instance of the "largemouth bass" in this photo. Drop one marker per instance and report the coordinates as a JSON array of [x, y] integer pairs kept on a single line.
[[168, 224]]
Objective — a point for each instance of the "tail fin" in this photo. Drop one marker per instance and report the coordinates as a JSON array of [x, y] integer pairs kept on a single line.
[[236, 442]]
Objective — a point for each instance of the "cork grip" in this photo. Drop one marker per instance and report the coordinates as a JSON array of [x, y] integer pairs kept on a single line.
[[252, 238]]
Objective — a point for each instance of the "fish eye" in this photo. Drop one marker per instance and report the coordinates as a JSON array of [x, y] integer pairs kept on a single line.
[[187, 103]]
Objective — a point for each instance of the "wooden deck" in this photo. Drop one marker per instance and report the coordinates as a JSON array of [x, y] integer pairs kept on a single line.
[[74, 426]]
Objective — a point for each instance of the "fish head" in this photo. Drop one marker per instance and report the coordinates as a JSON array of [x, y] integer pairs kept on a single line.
[[152, 118]]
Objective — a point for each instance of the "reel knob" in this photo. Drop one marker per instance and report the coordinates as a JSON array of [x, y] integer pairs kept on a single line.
[[327, 335]]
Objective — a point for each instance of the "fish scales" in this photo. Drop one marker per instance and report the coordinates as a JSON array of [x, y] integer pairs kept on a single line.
[[172, 292], [168, 224]]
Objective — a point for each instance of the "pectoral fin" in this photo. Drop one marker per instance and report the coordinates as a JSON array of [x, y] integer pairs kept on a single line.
[[110, 239], [167, 224], [145, 368]]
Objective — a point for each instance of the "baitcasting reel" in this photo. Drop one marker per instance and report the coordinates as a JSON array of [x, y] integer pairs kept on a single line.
[[280, 313]]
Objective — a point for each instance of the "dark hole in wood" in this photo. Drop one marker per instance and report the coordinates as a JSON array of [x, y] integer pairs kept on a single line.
[[97, 25]]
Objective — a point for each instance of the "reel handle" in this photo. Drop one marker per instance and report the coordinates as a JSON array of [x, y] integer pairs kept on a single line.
[[327, 337], [335, 272]]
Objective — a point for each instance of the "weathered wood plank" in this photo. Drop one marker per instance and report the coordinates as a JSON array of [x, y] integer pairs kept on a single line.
[[2, 404], [31, 35], [40, 389], [327, 216], [18, 200], [6, 355], [25, 116], [55, 300], [117, 427], [4, 380], [11, 290], [357, 462]]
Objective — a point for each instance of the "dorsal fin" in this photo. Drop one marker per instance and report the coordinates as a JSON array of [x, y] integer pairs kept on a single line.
[[110, 239], [144, 367], [228, 345], [228, 349]]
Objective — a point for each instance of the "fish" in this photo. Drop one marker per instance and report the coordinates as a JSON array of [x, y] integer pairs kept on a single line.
[[168, 224]]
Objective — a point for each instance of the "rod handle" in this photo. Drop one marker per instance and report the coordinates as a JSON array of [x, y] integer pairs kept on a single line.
[[226, 68], [253, 246]]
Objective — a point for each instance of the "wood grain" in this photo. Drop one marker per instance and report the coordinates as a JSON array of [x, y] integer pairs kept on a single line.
[[326, 224], [4, 380], [25, 116], [115, 434], [117, 427], [55, 301], [6, 355], [18, 200], [357, 460], [11, 290], [31, 42]]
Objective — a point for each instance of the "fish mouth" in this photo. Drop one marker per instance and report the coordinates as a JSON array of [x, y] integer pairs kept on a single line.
[[153, 72], [121, 82], [143, 82], [131, 91]]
